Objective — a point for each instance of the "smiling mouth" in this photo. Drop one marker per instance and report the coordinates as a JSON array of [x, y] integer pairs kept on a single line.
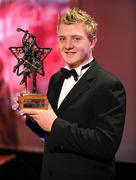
[[70, 52]]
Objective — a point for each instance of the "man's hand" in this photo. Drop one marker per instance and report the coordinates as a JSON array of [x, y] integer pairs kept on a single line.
[[44, 118]]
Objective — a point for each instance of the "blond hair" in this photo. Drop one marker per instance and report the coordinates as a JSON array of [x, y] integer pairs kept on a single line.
[[76, 15]]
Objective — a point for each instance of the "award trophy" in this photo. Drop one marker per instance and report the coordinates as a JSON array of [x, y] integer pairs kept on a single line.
[[30, 59]]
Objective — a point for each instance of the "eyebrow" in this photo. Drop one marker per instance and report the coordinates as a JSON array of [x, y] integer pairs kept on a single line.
[[75, 35]]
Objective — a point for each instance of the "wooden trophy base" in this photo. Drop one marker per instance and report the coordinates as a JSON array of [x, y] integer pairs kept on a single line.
[[33, 100]]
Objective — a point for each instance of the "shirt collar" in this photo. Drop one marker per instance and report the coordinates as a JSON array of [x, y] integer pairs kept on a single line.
[[79, 68]]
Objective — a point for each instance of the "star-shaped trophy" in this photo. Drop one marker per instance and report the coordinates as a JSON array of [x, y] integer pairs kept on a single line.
[[30, 59]]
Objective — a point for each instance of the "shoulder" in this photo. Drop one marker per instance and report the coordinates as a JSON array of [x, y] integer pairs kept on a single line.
[[56, 76], [106, 79]]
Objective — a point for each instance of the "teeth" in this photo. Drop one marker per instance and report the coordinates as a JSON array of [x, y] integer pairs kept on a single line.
[[69, 52]]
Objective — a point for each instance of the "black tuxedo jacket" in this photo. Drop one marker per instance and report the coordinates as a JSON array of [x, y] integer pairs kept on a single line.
[[87, 133]]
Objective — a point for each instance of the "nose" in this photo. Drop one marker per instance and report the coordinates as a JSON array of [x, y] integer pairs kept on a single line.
[[69, 44]]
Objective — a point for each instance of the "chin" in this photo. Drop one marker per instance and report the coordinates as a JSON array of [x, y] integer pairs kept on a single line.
[[71, 65]]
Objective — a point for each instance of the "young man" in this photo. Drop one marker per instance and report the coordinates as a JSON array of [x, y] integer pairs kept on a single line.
[[84, 123]]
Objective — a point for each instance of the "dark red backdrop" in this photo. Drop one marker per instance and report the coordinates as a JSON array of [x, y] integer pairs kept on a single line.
[[116, 51]]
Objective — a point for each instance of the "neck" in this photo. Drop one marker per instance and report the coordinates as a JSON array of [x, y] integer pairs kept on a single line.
[[74, 66]]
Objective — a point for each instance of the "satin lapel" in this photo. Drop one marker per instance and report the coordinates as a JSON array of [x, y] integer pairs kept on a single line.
[[81, 86], [56, 91]]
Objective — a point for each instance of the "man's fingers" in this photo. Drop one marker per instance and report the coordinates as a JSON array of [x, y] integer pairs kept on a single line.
[[49, 106], [15, 106], [29, 111]]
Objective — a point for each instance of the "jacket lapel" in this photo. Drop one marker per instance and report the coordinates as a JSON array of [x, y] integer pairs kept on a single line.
[[55, 96], [81, 86]]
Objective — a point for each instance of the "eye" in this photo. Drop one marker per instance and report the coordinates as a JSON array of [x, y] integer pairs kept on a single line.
[[77, 38], [62, 39]]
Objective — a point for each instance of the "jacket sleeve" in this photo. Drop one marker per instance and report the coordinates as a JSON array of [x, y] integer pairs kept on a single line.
[[35, 127], [103, 138]]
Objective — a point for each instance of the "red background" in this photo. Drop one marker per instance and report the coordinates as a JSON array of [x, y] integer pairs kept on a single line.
[[40, 18]]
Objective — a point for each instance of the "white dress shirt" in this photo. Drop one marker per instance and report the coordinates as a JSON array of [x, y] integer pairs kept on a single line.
[[69, 83]]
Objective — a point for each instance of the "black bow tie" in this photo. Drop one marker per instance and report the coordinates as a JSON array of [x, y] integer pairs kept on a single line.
[[68, 73]]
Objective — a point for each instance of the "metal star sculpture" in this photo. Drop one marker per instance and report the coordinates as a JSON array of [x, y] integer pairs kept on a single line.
[[30, 58]]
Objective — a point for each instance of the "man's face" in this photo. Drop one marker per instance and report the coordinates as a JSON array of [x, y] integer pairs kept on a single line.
[[74, 45]]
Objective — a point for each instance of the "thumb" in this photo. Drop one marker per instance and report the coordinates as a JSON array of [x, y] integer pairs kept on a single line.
[[49, 106]]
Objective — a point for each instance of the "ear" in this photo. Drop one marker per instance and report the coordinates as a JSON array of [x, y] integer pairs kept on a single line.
[[93, 41]]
